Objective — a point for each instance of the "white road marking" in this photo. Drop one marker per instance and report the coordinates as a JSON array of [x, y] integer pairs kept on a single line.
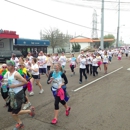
[[97, 79], [128, 69]]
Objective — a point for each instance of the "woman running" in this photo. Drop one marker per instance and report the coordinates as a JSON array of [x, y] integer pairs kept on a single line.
[[59, 91], [73, 62], [105, 59], [35, 76]]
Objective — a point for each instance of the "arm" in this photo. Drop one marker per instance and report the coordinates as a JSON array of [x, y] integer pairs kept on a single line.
[[49, 78], [19, 78], [65, 78]]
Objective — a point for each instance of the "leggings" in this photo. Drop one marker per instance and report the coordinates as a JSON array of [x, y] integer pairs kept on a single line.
[[72, 68], [89, 68], [57, 101], [82, 72]]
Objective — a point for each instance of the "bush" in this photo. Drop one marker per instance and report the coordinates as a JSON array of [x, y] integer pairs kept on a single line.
[[76, 47], [60, 50]]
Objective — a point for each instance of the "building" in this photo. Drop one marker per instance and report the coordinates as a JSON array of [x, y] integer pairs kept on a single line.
[[30, 45], [6, 39], [10, 41], [87, 42]]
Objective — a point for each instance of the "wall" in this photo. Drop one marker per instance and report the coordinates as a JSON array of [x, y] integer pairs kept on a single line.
[[6, 44], [50, 51]]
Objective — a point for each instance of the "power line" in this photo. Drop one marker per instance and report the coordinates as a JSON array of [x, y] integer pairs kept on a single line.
[[53, 16], [125, 2], [88, 6]]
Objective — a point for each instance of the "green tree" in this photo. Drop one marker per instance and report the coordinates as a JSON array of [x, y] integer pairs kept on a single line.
[[76, 47], [108, 44], [55, 36]]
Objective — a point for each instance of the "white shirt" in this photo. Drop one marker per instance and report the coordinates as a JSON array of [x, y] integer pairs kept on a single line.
[[82, 63], [109, 53], [105, 58], [30, 58], [16, 60], [35, 66], [94, 62], [55, 59], [42, 60], [62, 60], [89, 60]]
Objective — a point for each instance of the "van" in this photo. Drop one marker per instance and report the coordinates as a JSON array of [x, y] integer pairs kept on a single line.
[[6, 55]]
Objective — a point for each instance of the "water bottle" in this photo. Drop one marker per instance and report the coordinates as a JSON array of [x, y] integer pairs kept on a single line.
[[4, 88]]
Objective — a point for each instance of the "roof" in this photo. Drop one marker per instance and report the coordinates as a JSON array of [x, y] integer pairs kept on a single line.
[[87, 40], [8, 34]]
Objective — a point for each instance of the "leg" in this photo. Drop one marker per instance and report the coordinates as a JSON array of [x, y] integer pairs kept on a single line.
[[80, 72], [84, 74], [91, 68]]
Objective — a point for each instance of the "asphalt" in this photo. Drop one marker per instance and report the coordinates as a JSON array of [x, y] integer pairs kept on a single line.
[[102, 105]]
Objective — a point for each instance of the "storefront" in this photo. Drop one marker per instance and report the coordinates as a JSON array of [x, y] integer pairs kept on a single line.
[[30, 45]]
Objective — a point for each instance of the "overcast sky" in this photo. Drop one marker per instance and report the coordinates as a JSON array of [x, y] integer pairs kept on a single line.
[[29, 23]]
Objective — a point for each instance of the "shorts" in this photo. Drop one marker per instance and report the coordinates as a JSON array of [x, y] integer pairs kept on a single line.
[[48, 67], [36, 76], [42, 70], [19, 97], [105, 63]]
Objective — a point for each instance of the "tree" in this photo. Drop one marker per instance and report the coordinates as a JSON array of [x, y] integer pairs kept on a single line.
[[56, 38], [76, 47], [108, 44]]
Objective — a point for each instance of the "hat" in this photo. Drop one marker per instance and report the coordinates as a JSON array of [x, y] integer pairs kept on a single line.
[[10, 63]]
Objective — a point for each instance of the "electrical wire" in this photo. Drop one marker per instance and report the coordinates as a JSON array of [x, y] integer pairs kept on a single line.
[[54, 16], [88, 6], [125, 2]]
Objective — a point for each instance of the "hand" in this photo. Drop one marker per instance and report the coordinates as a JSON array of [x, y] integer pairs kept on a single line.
[[12, 86]]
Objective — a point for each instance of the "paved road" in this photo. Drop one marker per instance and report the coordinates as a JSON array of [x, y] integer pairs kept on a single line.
[[103, 105]]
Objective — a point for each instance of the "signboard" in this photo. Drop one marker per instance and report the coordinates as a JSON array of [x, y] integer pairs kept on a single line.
[[32, 42]]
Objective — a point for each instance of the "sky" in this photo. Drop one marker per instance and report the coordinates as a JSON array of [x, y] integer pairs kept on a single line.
[[28, 24]]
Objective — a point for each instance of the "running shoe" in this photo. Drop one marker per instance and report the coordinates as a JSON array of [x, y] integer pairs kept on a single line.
[[31, 93], [27, 105], [32, 114], [68, 111], [41, 91], [18, 126], [54, 121]]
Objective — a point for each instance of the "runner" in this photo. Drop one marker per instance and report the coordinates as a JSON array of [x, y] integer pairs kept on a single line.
[[105, 61], [59, 90], [4, 86], [49, 64], [62, 60], [35, 76], [73, 63], [99, 59], [16, 94], [89, 64], [82, 68], [95, 65], [23, 72], [42, 62]]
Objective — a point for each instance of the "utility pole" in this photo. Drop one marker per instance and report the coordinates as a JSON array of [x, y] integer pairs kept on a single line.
[[102, 26], [118, 27]]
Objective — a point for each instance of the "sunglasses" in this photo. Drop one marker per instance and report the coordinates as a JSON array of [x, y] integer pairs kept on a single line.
[[20, 65], [4, 67]]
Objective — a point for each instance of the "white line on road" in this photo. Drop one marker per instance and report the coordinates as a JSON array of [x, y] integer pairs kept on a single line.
[[97, 79]]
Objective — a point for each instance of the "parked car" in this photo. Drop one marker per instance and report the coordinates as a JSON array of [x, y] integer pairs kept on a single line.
[[6, 55]]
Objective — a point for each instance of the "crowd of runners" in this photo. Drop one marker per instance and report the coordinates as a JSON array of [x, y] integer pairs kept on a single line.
[[19, 75]]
